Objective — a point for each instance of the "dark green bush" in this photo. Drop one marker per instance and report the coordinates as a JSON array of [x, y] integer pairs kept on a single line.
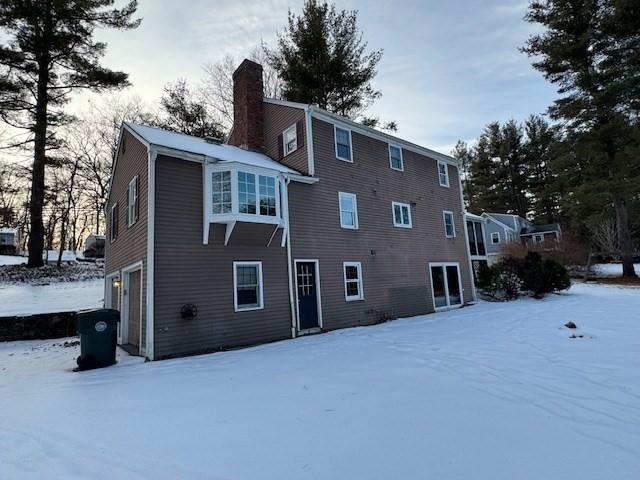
[[511, 275]]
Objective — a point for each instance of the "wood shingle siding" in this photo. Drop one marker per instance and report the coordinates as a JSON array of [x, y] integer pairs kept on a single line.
[[394, 260], [131, 244], [186, 271], [277, 119]]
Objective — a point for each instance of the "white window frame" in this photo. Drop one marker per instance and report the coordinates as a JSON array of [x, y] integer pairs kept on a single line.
[[354, 198], [444, 266], [335, 140], [235, 214], [453, 223], [260, 306], [401, 169], [446, 174], [393, 214], [132, 206], [495, 235], [293, 128], [360, 296], [538, 239], [112, 221]]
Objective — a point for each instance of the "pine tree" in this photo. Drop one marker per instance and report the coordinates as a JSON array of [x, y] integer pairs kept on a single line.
[[321, 58], [49, 53], [185, 113], [511, 174], [590, 49], [540, 151]]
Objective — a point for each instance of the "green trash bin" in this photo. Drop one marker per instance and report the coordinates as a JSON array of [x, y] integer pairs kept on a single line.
[[98, 336]]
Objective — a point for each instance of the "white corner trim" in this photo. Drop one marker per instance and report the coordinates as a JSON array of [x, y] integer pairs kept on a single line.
[[151, 206], [287, 238], [308, 126]]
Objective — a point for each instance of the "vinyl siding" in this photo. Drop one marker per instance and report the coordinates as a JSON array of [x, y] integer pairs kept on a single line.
[[277, 118], [187, 271], [131, 245], [394, 260]]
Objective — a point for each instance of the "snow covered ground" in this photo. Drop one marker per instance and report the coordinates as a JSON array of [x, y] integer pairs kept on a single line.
[[24, 299], [493, 391], [612, 269], [67, 256]]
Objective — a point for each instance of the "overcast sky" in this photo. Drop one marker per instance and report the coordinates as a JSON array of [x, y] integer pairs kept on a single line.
[[449, 67]]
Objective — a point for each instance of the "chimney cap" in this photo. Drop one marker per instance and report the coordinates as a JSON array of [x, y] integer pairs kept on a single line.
[[247, 65]]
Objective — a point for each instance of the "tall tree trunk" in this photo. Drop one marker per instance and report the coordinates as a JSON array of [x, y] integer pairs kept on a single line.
[[36, 205], [624, 237]]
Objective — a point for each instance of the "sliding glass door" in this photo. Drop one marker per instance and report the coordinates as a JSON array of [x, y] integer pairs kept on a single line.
[[445, 282]]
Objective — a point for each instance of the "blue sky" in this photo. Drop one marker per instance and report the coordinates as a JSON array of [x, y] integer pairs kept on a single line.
[[449, 67]]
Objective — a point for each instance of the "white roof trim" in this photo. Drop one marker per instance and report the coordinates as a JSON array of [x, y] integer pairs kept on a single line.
[[364, 130]]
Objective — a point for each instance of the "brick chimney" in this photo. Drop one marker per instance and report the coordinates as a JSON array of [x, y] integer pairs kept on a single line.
[[248, 110]]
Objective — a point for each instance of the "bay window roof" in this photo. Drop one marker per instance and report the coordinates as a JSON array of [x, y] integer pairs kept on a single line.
[[199, 146]]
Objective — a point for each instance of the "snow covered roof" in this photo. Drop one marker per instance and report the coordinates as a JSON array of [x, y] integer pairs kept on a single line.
[[473, 216], [8, 230], [199, 146]]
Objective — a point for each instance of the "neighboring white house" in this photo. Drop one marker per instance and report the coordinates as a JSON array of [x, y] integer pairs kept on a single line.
[[9, 241]]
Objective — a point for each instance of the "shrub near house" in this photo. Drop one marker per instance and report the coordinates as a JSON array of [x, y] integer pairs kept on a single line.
[[511, 276]]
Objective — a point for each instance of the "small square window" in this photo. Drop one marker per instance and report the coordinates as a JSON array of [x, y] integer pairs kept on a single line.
[[443, 174], [343, 144], [247, 280], [348, 210], [395, 158], [290, 139], [495, 238], [449, 226], [353, 281], [401, 215]]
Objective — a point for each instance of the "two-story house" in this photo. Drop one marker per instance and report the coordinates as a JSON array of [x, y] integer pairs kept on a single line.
[[304, 221]]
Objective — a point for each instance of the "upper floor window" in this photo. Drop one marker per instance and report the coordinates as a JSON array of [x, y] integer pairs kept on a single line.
[[495, 238], [221, 192], [113, 224], [449, 226], [395, 158], [443, 174], [353, 281], [348, 210], [401, 215], [344, 150], [290, 139], [538, 239], [132, 202]]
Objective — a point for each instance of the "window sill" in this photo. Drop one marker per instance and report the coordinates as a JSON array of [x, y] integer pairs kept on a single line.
[[354, 299], [344, 159], [248, 309], [407, 227]]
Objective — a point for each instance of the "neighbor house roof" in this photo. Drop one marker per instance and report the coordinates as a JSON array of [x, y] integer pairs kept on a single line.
[[199, 146], [533, 229], [8, 230]]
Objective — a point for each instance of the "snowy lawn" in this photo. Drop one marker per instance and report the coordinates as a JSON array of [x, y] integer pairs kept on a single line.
[[17, 299], [494, 391], [612, 269]]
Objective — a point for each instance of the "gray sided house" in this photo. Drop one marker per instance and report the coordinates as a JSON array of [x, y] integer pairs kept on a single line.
[[502, 229], [303, 222], [9, 241]]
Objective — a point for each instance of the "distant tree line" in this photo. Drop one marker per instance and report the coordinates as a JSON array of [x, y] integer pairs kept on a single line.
[[584, 170]]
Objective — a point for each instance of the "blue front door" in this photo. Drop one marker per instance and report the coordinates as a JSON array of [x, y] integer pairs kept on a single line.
[[307, 284]]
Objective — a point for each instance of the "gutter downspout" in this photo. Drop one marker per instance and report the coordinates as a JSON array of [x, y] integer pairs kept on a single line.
[[294, 330], [151, 201]]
